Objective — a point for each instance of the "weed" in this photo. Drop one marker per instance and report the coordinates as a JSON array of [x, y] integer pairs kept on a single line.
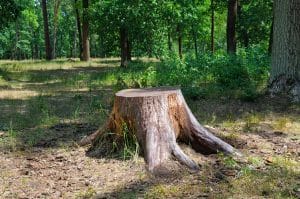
[[276, 182], [281, 123], [131, 148], [256, 161], [228, 161], [161, 191], [251, 122], [124, 145], [89, 193]]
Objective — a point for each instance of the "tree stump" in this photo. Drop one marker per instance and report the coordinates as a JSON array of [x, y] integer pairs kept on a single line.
[[159, 117]]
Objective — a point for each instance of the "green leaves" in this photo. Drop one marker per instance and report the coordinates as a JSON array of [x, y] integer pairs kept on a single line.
[[9, 11]]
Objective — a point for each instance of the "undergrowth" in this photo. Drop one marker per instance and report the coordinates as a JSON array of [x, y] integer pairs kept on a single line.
[[243, 76], [123, 145]]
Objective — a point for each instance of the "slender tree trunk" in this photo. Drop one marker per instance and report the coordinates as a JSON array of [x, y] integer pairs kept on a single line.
[[129, 56], [212, 30], [231, 21], [101, 46], [169, 40], [74, 51], [285, 73], [31, 44], [179, 32], [195, 40], [55, 24], [16, 50], [85, 31], [244, 30], [46, 31], [78, 21], [125, 47], [271, 36]]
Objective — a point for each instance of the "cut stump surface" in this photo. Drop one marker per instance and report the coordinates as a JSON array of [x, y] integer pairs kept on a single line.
[[159, 117]]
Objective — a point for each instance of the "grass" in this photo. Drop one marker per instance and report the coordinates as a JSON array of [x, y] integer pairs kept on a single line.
[[53, 104], [278, 181]]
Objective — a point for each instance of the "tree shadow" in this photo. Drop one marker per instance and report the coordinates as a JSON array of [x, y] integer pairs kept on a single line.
[[50, 121]]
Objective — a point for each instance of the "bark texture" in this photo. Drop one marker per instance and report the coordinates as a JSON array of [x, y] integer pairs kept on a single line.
[[85, 31], [231, 21], [159, 117], [46, 31], [285, 73], [78, 21], [55, 24]]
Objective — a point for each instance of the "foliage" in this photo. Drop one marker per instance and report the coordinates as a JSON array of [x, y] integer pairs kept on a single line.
[[245, 74], [9, 10], [154, 27]]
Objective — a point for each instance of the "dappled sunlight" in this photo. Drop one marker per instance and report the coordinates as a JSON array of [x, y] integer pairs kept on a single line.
[[17, 94], [48, 107]]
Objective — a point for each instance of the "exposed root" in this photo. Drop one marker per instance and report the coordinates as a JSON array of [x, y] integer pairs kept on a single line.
[[157, 117]]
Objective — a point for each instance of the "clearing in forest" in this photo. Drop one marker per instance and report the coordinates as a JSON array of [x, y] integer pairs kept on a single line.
[[46, 107]]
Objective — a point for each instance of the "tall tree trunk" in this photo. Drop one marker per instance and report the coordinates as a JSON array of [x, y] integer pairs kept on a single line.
[[212, 30], [271, 36], [129, 48], [231, 21], [78, 21], [169, 40], [195, 40], [244, 30], [55, 24], [74, 51], [285, 73], [101, 46], [179, 32], [35, 45], [125, 47], [32, 43], [16, 50], [85, 31], [46, 31]]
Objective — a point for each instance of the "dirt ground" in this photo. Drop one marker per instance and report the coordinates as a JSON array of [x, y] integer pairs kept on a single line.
[[39, 157]]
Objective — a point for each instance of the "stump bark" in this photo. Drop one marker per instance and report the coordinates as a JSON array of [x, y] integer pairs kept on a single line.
[[159, 117]]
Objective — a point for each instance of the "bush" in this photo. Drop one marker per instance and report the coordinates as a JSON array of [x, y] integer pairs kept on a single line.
[[242, 75], [230, 73]]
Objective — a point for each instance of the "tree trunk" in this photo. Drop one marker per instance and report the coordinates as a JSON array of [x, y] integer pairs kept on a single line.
[[271, 36], [243, 29], [85, 31], [231, 21], [74, 51], [285, 73], [125, 47], [16, 48], [169, 40], [195, 40], [179, 32], [158, 117], [55, 24], [35, 45], [212, 30], [79, 31], [46, 31]]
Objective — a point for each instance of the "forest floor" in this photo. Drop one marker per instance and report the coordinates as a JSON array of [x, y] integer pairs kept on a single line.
[[46, 107]]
